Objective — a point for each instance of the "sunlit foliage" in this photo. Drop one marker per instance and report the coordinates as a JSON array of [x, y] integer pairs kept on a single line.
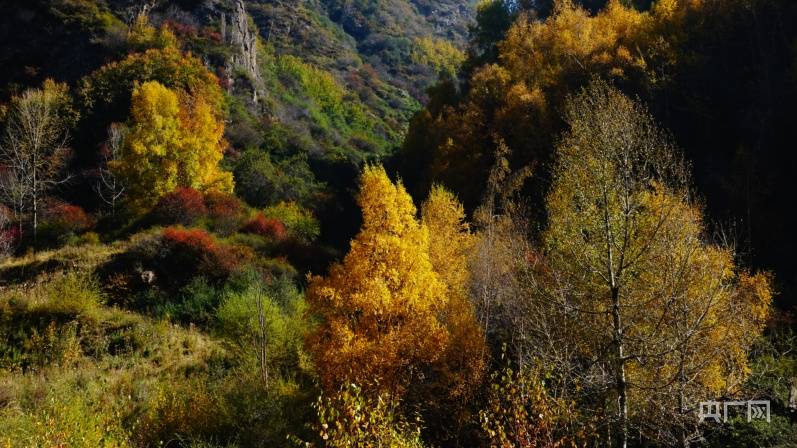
[[451, 244], [440, 54], [378, 308], [173, 142], [516, 96], [639, 285], [350, 418]]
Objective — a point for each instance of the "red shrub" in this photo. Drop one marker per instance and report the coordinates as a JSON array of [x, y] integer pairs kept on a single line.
[[212, 34], [62, 219], [225, 211], [224, 80], [9, 238], [181, 206], [194, 240], [11, 233], [190, 252], [222, 204], [183, 29], [268, 227]]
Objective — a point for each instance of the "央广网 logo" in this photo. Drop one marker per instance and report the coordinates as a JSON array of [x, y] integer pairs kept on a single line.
[[718, 410]]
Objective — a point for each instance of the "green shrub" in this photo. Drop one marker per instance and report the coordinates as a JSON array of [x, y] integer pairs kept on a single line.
[[350, 419], [194, 303], [182, 410], [89, 238], [300, 221], [267, 415], [261, 180], [59, 410], [73, 293], [281, 338]]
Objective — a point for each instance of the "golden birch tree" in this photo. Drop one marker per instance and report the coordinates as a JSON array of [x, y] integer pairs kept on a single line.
[[378, 309]]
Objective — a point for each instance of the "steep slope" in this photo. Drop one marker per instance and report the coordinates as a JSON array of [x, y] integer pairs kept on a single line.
[[379, 56], [314, 86]]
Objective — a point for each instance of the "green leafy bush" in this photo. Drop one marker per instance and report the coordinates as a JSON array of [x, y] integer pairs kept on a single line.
[[261, 180], [194, 303], [350, 419], [73, 293], [281, 336], [300, 221]]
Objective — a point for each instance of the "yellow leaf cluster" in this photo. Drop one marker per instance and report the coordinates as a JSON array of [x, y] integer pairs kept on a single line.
[[174, 141], [451, 244], [142, 35], [439, 54], [573, 42]]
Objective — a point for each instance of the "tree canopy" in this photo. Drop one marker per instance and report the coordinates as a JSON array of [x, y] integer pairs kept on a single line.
[[175, 140]]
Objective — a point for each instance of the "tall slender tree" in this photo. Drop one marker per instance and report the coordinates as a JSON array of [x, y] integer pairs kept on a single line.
[[630, 300], [34, 148], [109, 187]]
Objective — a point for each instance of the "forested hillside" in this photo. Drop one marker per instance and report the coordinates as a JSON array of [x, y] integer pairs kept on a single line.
[[397, 223]]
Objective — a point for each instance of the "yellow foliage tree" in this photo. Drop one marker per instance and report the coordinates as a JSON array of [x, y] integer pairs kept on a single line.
[[516, 98], [635, 285], [439, 54], [142, 35], [174, 141], [202, 147], [451, 244], [378, 308], [460, 370]]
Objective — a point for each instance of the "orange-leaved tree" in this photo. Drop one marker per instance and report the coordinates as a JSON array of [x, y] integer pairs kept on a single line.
[[379, 308]]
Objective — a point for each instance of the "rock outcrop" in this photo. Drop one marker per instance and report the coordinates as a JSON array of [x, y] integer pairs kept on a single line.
[[237, 32]]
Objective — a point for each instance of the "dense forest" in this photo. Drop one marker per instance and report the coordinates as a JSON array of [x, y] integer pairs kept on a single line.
[[398, 223]]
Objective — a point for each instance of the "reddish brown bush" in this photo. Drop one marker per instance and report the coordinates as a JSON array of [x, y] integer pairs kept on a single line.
[[184, 30], [9, 238], [190, 252], [268, 227], [181, 206], [212, 34], [193, 240], [226, 212], [224, 79], [62, 219]]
